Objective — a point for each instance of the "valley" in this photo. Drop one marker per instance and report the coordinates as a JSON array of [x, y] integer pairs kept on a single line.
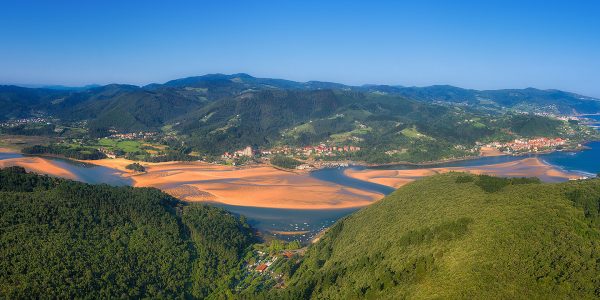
[[300, 203], [373, 150]]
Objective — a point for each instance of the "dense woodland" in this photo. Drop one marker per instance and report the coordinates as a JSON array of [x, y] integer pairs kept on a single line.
[[447, 236], [135, 167], [65, 239], [70, 152], [461, 236], [285, 162]]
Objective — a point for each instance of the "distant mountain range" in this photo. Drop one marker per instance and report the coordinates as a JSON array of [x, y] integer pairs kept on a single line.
[[21, 101], [216, 112]]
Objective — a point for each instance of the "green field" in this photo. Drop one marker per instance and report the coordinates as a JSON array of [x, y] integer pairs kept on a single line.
[[413, 133], [346, 136], [126, 146]]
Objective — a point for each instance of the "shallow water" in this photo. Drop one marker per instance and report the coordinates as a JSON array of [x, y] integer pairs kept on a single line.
[[313, 221], [269, 220]]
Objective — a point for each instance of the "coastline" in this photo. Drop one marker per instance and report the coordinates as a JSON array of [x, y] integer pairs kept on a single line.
[[527, 167], [319, 165], [266, 186], [254, 186]]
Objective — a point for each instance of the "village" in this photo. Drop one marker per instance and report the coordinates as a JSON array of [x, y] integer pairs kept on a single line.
[[25, 121], [303, 153], [132, 135], [529, 145], [272, 264], [321, 149]]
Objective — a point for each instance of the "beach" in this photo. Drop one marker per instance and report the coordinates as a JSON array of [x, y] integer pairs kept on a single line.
[[256, 186], [260, 186], [527, 167], [38, 165], [265, 186]]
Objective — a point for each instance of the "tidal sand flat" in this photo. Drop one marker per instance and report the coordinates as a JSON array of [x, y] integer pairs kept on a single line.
[[39, 165], [257, 186], [527, 167], [264, 186]]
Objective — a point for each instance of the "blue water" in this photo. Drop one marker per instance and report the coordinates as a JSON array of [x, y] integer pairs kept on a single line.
[[336, 175], [587, 162], [313, 221], [593, 117], [268, 220], [8, 155]]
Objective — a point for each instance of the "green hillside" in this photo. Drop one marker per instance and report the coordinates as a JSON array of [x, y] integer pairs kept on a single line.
[[461, 236], [217, 113], [63, 239], [446, 236]]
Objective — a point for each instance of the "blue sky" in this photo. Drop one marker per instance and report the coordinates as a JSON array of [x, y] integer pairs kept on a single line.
[[473, 44]]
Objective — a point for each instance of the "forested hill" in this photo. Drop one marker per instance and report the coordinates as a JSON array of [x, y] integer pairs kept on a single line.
[[213, 114], [193, 91], [447, 236], [459, 236], [63, 239]]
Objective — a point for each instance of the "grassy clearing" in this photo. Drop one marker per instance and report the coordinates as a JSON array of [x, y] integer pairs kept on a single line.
[[413, 133], [346, 136], [126, 146]]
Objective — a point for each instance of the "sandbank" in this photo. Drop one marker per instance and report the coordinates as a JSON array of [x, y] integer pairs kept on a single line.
[[527, 167], [257, 186], [38, 165]]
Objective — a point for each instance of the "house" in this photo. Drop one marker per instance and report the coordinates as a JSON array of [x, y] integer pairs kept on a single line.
[[261, 268]]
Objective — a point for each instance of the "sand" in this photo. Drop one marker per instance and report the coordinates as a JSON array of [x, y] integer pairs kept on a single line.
[[261, 186], [266, 186], [8, 150], [258, 186], [38, 165], [528, 167], [490, 151]]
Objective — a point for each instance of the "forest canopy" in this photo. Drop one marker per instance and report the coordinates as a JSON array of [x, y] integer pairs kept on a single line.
[[65, 239]]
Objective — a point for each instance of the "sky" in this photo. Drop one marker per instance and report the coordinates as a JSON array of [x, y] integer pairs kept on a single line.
[[471, 44]]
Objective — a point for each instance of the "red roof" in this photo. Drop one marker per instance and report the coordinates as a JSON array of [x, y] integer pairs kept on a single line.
[[261, 267]]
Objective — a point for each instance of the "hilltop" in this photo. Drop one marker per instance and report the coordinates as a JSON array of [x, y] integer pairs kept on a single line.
[[461, 236], [447, 236]]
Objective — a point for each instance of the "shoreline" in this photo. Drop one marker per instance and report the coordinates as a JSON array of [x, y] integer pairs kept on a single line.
[[487, 153], [445, 161], [526, 167], [265, 186]]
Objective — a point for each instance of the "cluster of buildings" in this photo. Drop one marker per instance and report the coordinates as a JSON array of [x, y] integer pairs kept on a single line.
[[109, 153], [246, 152], [321, 149], [18, 122], [558, 117], [133, 135], [531, 145]]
